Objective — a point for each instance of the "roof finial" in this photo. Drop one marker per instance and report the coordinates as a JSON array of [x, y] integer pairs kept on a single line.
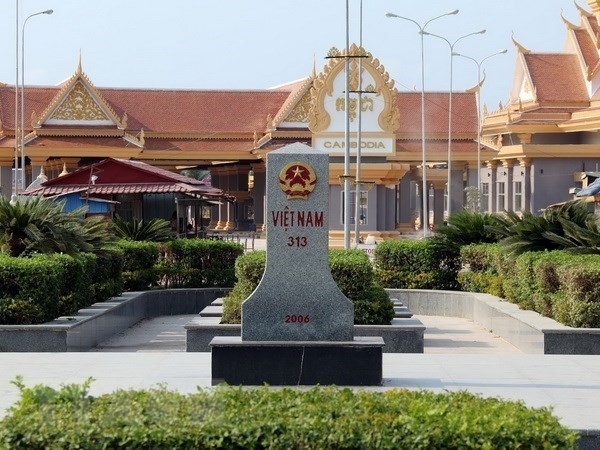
[[519, 46], [42, 174], [314, 69], [79, 66], [569, 25], [64, 171], [582, 11]]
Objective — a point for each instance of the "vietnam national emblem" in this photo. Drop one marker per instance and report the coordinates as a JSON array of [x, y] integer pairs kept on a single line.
[[297, 180]]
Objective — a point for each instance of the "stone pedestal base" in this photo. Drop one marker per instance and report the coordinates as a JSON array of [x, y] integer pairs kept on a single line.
[[279, 363]]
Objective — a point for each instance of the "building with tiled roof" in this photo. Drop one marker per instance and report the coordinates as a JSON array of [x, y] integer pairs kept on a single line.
[[230, 132], [547, 135]]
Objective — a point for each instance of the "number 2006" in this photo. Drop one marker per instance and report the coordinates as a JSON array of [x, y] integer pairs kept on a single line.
[[293, 318]]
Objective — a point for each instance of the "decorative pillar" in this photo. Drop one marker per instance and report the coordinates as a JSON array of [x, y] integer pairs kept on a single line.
[[525, 167], [507, 171], [491, 178], [6, 177]]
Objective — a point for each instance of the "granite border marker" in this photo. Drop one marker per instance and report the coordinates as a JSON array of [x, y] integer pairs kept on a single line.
[[297, 326]]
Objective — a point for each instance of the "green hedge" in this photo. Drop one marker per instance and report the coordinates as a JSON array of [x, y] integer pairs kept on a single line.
[[350, 269], [140, 257], [481, 262], [41, 288], [317, 418], [30, 288], [108, 277], [197, 263], [557, 284], [415, 264], [179, 263]]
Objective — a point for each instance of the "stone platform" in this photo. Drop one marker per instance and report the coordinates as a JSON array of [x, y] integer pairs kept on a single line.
[[285, 363]]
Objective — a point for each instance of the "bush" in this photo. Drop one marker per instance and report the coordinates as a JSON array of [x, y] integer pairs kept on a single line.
[[408, 264], [197, 263], [580, 281], [350, 269], [249, 269], [352, 272], [108, 278], [30, 289], [139, 259], [487, 282], [323, 418]]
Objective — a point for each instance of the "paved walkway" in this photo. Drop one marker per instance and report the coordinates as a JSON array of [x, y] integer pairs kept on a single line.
[[443, 335], [459, 355]]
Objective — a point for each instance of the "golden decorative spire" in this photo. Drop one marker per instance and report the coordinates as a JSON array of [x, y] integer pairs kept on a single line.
[[64, 171], [42, 174], [79, 70]]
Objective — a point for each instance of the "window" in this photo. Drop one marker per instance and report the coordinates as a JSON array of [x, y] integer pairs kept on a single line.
[[362, 210], [518, 194], [501, 198], [485, 196]]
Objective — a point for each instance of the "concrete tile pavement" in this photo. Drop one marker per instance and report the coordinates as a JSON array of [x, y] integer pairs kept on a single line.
[[459, 355], [569, 384]]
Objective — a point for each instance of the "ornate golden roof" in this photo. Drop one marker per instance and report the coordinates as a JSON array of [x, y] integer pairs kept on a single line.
[[80, 101]]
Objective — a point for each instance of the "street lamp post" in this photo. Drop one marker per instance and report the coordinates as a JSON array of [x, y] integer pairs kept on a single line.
[[346, 177], [424, 190], [23, 178], [15, 179], [479, 64], [451, 45]]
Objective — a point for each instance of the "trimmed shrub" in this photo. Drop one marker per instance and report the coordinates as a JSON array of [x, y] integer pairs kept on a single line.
[[480, 274], [323, 418], [30, 289], [581, 285], [409, 264], [197, 263], [249, 269], [139, 259], [350, 269], [487, 282], [108, 278]]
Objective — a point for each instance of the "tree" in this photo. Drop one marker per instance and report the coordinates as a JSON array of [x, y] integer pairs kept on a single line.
[[466, 227], [155, 230], [39, 225], [571, 226]]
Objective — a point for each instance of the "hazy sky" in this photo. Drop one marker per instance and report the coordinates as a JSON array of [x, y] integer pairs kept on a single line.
[[236, 44]]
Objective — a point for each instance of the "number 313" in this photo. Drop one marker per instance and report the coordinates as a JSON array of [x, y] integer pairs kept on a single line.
[[298, 241]]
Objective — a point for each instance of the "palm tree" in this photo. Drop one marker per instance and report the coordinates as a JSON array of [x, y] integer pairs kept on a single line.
[[571, 225], [39, 225], [156, 230], [464, 228]]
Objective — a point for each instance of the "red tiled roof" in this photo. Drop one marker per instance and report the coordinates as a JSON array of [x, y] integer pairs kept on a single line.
[[588, 48], [167, 111], [119, 174], [464, 112], [113, 189], [556, 77], [210, 112], [195, 111]]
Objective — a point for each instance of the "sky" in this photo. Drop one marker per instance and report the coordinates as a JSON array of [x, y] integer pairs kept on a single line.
[[237, 44]]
